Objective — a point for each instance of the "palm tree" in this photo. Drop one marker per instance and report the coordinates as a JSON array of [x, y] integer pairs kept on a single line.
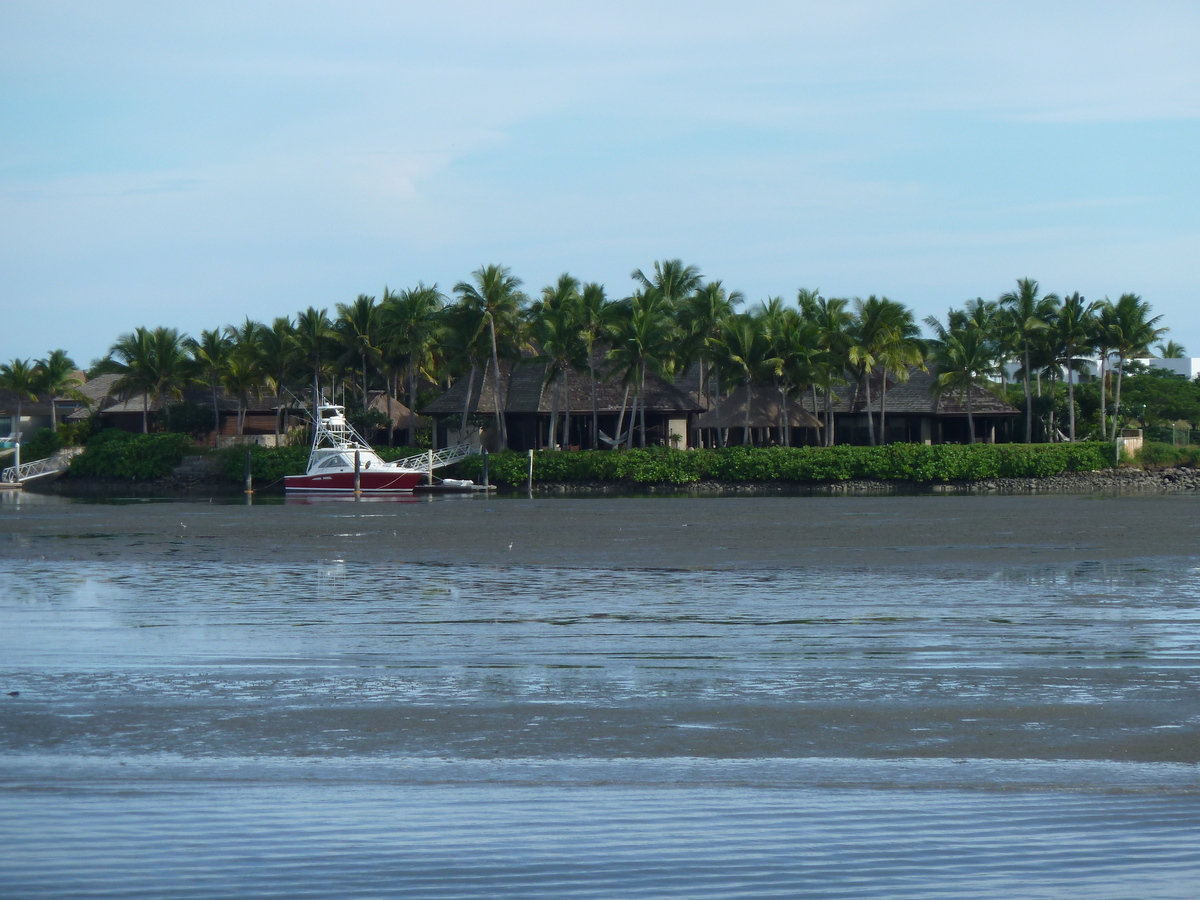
[[133, 355], [496, 296], [464, 345], [871, 332], [1027, 317], [792, 355], [357, 327], [745, 352], [1073, 330], [410, 327], [556, 327], [171, 366], [901, 350], [642, 339], [1171, 350], [278, 356], [672, 279], [964, 358], [56, 376], [210, 357], [1132, 333], [313, 336], [21, 378], [833, 321], [595, 319], [702, 317]]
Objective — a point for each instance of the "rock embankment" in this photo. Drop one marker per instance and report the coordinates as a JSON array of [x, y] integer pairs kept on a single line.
[[1107, 481]]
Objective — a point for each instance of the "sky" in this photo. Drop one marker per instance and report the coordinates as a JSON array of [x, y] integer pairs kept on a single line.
[[193, 164]]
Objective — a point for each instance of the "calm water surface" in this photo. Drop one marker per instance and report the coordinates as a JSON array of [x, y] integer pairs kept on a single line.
[[193, 729]]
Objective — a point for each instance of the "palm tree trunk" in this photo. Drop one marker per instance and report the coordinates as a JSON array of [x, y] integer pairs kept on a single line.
[[642, 397], [746, 439], [1103, 411], [500, 418], [145, 412], [1053, 420], [783, 419], [217, 421], [883, 410], [1117, 395], [621, 417], [1071, 391], [595, 414], [467, 402], [387, 403], [412, 405], [632, 419], [364, 373], [1028, 400], [970, 417], [828, 413], [566, 409], [717, 407], [553, 416], [816, 409], [870, 412]]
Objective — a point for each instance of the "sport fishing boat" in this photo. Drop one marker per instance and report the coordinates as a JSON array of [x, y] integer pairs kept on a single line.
[[331, 462]]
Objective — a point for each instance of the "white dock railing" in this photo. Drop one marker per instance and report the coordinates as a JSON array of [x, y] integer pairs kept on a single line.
[[435, 459], [40, 468]]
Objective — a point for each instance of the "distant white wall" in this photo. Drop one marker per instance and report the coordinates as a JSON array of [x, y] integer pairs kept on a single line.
[[1189, 368]]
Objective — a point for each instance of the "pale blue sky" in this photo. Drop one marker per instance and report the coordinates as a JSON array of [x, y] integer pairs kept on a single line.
[[191, 164]]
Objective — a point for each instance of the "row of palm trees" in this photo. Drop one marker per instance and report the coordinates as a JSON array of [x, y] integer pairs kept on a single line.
[[1045, 337], [673, 319], [54, 376]]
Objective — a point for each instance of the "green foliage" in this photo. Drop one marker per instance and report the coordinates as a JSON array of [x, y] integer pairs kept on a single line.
[[76, 434], [1159, 397], [195, 419], [140, 457], [1154, 455], [896, 462], [267, 464], [43, 444]]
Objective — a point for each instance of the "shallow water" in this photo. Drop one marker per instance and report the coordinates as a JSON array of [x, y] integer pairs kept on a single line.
[[221, 726]]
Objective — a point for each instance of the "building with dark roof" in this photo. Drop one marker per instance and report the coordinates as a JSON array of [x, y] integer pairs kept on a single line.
[[529, 401]]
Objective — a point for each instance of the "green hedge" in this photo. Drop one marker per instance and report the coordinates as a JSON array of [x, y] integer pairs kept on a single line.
[[901, 462], [140, 457], [1154, 455]]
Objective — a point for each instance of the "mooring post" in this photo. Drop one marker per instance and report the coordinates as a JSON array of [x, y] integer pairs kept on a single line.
[[429, 466], [357, 474], [530, 484], [486, 483], [249, 489]]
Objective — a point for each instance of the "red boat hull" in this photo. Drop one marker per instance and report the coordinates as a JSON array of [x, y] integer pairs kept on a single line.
[[371, 482]]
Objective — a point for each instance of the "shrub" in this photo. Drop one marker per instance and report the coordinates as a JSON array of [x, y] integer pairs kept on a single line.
[[1159, 456], [267, 464], [140, 457], [44, 443], [76, 434], [897, 462]]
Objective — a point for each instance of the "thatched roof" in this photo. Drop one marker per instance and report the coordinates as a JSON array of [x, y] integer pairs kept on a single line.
[[912, 397], [400, 412], [523, 383], [764, 410]]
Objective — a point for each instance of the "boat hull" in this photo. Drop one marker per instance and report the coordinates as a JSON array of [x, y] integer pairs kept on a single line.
[[371, 482]]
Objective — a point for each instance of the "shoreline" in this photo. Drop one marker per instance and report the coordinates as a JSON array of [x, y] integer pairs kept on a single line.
[[1115, 481]]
